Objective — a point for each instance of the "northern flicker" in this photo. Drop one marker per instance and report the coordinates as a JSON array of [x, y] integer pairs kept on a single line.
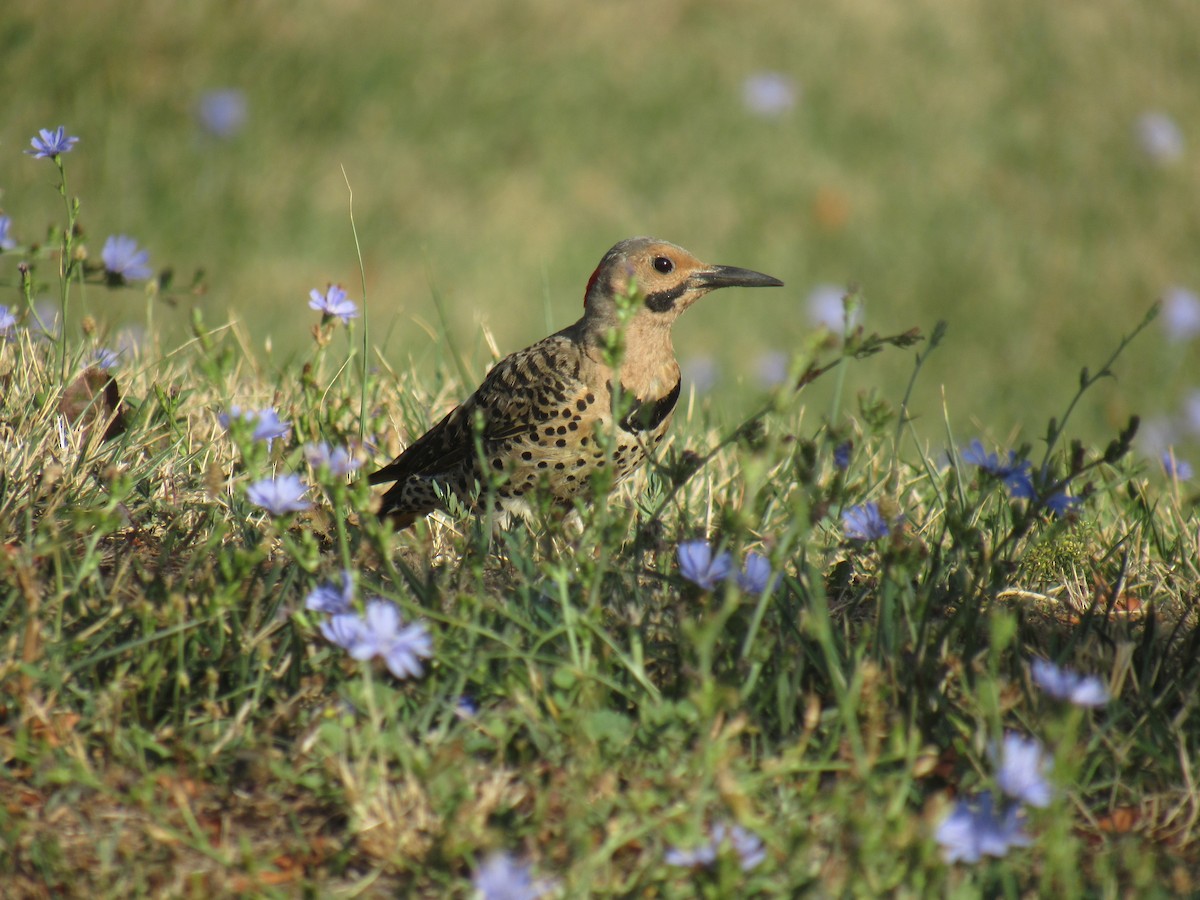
[[598, 393]]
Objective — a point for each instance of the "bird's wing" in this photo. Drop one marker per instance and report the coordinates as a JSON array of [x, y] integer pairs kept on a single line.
[[435, 451], [545, 374]]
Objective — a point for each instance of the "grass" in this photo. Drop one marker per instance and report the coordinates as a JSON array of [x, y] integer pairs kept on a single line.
[[955, 163], [175, 723], [173, 720]]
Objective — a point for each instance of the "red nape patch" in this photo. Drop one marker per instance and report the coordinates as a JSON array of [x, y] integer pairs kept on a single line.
[[591, 281]]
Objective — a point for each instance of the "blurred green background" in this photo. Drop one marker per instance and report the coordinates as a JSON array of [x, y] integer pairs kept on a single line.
[[985, 163]]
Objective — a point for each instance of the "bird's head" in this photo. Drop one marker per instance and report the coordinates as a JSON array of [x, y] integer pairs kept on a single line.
[[660, 279]]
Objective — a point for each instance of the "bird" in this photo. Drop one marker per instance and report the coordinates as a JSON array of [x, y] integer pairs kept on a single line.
[[598, 394]]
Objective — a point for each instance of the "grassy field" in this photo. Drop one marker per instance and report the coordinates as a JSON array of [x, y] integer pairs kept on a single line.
[[955, 161], [599, 701]]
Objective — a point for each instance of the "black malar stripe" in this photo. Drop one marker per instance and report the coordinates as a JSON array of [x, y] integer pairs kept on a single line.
[[648, 416], [661, 301]]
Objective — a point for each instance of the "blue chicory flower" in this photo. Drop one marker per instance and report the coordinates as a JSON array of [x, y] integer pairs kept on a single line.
[[769, 94], [1017, 477], [827, 309], [1014, 473], [222, 113], [338, 460], [501, 877], [267, 424], [381, 633], [123, 260], [746, 844], [974, 829], [1159, 136], [865, 523], [1060, 503], [1176, 468], [103, 358], [6, 239], [279, 495], [329, 598], [49, 144], [1020, 484], [1021, 767], [8, 321], [704, 854], [755, 575], [1181, 314], [345, 630], [1191, 412], [975, 454], [333, 304], [841, 454], [773, 368], [698, 565], [701, 373], [466, 707], [1063, 684]]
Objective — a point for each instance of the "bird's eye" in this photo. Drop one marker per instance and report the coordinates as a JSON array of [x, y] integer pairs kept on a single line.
[[664, 265]]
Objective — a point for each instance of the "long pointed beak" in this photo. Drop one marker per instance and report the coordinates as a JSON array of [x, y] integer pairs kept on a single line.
[[732, 276]]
